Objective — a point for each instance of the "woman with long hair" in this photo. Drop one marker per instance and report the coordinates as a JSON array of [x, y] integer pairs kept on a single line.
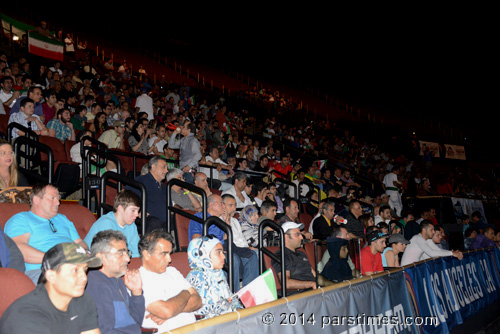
[[99, 125], [138, 139], [9, 174]]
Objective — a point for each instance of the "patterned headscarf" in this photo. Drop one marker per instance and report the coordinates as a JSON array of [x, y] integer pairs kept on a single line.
[[247, 212], [199, 252], [210, 283]]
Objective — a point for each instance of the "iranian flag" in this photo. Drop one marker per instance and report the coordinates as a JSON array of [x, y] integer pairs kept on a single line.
[[261, 290], [18, 28], [320, 163], [44, 46]]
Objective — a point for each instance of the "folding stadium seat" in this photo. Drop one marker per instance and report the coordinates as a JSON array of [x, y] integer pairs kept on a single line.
[[66, 172], [308, 248], [10, 209], [82, 218], [135, 263], [68, 144], [180, 262], [305, 219], [13, 284], [181, 228], [4, 120]]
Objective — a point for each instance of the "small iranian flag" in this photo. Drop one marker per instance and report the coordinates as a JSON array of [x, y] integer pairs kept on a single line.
[[320, 163], [44, 46], [261, 290]]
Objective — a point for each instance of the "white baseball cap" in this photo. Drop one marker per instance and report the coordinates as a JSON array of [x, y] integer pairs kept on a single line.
[[291, 225]]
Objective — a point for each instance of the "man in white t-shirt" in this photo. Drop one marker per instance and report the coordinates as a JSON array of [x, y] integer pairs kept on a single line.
[[7, 96], [392, 186], [158, 141], [238, 190], [144, 102], [170, 299]]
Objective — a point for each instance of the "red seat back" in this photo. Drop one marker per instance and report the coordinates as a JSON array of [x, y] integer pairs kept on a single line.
[[82, 218], [182, 227], [13, 284], [180, 262], [10, 209]]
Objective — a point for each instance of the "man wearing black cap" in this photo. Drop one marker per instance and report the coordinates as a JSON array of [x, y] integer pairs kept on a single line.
[[371, 258], [58, 304]]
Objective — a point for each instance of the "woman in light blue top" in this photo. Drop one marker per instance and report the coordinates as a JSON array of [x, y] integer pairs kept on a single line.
[[397, 244]]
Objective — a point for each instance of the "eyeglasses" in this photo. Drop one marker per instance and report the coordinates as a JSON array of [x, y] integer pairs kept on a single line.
[[122, 252], [52, 226]]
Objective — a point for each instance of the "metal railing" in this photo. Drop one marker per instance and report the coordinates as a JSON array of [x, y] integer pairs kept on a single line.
[[29, 157], [263, 251], [129, 182], [172, 209], [101, 158]]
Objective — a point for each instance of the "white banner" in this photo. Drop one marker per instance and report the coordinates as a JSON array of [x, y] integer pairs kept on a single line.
[[454, 152]]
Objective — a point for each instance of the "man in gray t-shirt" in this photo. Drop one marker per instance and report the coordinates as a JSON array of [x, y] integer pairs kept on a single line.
[[180, 196]]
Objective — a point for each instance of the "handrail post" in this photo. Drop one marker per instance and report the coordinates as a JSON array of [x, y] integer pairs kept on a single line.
[[262, 249]]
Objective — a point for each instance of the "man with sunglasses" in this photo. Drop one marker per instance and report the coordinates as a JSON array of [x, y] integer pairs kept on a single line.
[[299, 273], [115, 289], [42, 227]]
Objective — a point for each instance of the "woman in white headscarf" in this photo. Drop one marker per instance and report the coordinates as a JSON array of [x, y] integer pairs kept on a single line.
[[206, 259]]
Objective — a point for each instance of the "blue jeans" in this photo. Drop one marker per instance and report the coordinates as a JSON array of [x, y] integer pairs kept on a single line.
[[250, 269]]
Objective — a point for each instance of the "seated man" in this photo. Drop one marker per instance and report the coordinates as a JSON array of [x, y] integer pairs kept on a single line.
[[113, 138], [61, 127], [418, 246], [485, 239], [218, 175], [291, 207], [125, 210], [156, 193], [371, 255], [322, 226], [299, 274], [200, 180], [238, 190], [170, 300], [181, 197], [59, 303], [27, 118], [119, 302], [41, 228]]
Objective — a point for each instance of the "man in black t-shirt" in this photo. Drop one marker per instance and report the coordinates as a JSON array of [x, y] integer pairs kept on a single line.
[[299, 273], [58, 304]]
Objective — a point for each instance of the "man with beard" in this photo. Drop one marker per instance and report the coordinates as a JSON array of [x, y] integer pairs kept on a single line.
[[61, 127]]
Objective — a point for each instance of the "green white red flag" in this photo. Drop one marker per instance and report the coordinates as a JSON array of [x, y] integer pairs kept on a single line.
[[44, 46], [261, 290]]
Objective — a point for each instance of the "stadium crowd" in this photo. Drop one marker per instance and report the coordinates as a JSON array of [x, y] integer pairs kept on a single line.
[[317, 181]]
